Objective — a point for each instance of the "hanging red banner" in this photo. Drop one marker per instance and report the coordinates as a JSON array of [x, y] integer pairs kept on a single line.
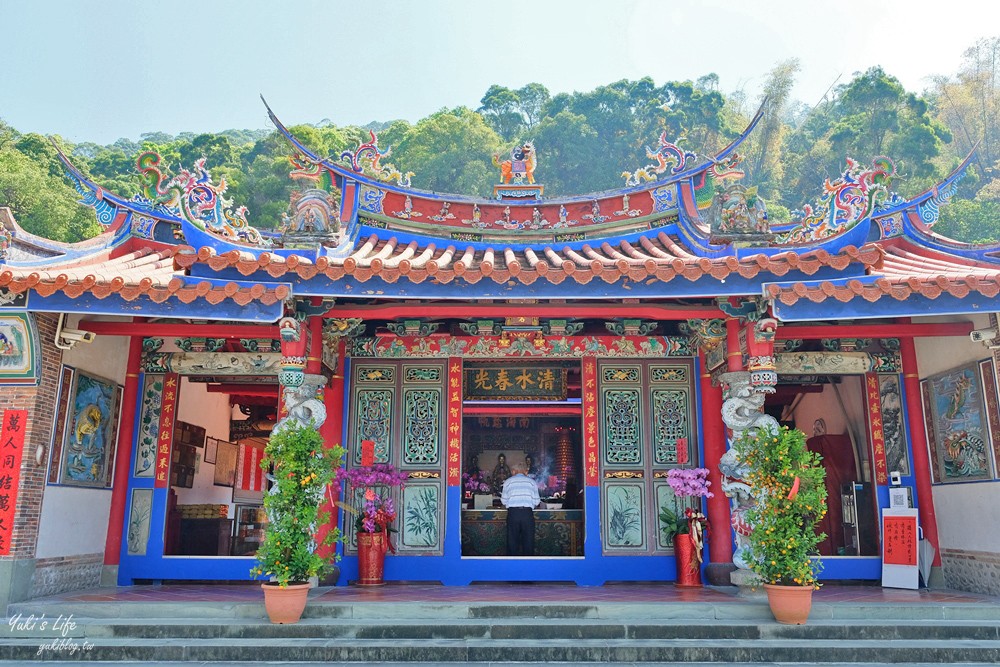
[[875, 428], [249, 473], [590, 435], [165, 437], [454, 422], [15, 423]]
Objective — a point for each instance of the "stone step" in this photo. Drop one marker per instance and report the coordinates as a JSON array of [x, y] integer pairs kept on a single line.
[[741, 610], [522, 629], [104, 663], [243, 650]]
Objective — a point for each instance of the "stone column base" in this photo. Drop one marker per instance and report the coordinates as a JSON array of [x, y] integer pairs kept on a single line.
[[936, 580], [748, 582], [717, 574], [109, 575], [15, 581]]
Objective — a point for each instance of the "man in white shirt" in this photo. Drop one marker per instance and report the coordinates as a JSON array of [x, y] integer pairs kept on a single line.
[[520, 497]]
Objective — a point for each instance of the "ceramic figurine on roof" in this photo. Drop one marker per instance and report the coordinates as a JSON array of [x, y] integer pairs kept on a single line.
[[739, 216], [667, 155], [515, 171], [313, 220], [844, 202], [192, 196], [366, 159]]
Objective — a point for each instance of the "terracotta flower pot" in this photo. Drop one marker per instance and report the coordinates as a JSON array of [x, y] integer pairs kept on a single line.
[[371, 558], [285, 605], [789, 604], [688, 572]]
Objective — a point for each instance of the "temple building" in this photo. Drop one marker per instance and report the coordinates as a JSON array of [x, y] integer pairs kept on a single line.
[[599, 340]]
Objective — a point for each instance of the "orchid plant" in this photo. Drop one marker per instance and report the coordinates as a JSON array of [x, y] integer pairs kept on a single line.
[[377, 511], [475, 483], [687, 483]]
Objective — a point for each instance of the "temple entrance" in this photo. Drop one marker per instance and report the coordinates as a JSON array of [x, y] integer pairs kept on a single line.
[[522, 416], [831, 411]]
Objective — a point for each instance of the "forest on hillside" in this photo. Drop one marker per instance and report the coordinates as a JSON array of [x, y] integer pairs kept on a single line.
[[585, 141]]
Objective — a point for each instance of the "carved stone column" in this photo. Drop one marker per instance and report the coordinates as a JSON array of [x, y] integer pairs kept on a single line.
[[741, 410]]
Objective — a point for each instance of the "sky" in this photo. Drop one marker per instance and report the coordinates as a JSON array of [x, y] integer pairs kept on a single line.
[[100, 70]]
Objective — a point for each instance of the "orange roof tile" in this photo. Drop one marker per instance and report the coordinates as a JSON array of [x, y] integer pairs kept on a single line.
[[660, 258]]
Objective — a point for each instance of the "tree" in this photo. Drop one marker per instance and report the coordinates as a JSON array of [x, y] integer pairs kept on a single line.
[[450, 151], [764, 165], [43, 204], [869, 116], [501, 109], [970, 103], [532, 100]]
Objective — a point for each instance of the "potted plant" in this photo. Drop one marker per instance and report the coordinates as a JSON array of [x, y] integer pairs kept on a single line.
[[789, 483], [373, 516], [289, 555], [686, 529]]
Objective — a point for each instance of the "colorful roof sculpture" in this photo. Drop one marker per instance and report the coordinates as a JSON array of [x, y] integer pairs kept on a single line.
[[682, 227]]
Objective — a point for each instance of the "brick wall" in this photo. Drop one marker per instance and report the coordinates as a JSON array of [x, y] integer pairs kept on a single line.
[[40, 402], [66, 573], [976, 571]]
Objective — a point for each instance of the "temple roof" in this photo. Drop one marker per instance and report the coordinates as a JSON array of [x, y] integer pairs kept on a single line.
[[166, 256]]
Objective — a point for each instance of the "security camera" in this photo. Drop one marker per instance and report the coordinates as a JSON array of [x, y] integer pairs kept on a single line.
[[78, 336], [982, 335]]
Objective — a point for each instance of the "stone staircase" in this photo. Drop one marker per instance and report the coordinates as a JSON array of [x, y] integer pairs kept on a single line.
[[694, 633]]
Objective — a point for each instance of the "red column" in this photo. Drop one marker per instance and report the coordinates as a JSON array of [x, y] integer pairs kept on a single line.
[[333, 398], [734, 357], [332, 431], [714, 439], [123, 457], [314, 353], [921, 460]]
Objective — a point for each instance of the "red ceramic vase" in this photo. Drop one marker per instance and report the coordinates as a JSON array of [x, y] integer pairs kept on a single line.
[[371, 558], [688, 568]]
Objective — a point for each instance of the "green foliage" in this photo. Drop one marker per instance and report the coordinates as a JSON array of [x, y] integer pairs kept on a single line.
[[673, 522], [789, 482], [303, 468], [42, 203], [450, 151], [970, 221]]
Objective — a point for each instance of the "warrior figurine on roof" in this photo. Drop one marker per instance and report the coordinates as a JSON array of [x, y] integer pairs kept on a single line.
[[521, 164]]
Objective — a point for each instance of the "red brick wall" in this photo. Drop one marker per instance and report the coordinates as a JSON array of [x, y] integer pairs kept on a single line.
[[40, 402]]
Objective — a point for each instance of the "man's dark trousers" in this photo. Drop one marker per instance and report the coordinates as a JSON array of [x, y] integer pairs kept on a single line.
[[520, 531]]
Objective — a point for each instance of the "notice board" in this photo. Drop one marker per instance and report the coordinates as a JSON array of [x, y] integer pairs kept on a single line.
[[900, 548]]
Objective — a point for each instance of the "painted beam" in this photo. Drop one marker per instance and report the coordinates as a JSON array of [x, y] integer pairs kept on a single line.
[[244, 389], [533, 410], [115, 305], [814, 332], [163, 329], [547, 310]]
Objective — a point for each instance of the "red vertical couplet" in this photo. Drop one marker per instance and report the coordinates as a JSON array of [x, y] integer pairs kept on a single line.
[[875, 429], [168, 406], [15, 423], [454, 422], [918, 441], [590, 436]]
